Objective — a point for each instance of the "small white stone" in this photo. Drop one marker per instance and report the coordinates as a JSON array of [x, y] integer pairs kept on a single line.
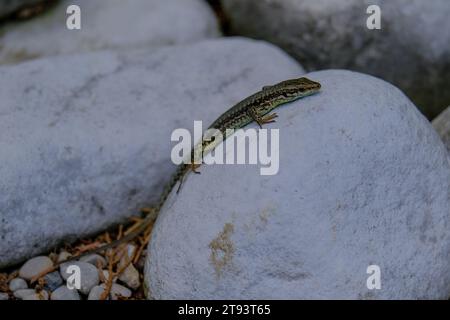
[[130, 277], [106, 275], [63, 256], [131, 250], [17, 284], [64, 293], [94, 259], [42, 295], [22, 293], [89, 275], [96, 292], [119, 291], [4, 296], [35, 266]]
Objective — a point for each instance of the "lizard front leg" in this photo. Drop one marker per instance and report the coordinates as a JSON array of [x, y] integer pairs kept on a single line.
[[269, 118], [261, 120]]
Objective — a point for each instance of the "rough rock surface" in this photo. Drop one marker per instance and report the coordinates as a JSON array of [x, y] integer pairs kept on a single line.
[[85, 140], [363, 180], [411, 50], [116, 24]]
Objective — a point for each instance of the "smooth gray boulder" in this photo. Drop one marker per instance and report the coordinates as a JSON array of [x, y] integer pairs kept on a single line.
[[442, 126], [8, 7], [85, 140], [108, 25], [89, 274], [411, 50], [363, 180]]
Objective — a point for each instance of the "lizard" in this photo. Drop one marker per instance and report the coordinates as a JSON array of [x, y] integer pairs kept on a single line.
[[253, 108]]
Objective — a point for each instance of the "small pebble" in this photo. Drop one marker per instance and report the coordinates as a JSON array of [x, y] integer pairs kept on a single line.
[[119, 291], [106, 276], [53, 280], [64, 293], [42, 295], [22, 293], [96, 292], [4, 296], [128, 255], [63, 256], [94, 259], [35, 266], [130, 276], [131, 250], [17, 284], [89, 276]]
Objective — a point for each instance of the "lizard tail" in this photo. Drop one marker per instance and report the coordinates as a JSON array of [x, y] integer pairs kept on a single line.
[[148, 220]]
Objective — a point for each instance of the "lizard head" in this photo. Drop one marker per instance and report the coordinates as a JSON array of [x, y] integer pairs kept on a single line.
[[296, 88], [288, 91]]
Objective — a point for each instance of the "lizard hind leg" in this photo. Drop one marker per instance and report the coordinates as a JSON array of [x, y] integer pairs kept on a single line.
[[181, 180], [261, 120], [194, 167], [269, 118]]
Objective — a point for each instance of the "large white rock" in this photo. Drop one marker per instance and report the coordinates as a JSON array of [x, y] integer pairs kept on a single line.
[[411, 50], [363, 180], [442, 126], [85, 139], [108, 25]]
